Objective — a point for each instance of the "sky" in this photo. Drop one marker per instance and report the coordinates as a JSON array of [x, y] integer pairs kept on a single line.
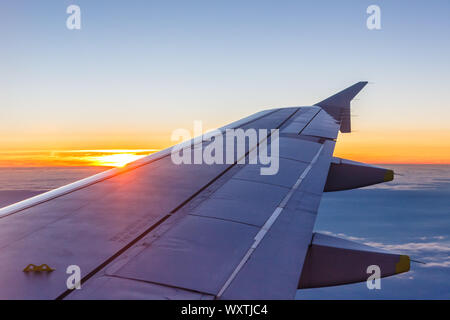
[[138, 70]]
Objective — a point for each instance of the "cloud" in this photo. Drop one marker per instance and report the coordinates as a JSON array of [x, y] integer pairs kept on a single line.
[[342, 235], [407, 275], [413, 246], [407, 177], [433, 253], [421, 251], [434, 237], [443, 262]]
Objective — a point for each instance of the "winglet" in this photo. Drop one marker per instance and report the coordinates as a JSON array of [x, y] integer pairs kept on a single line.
[[339, 104]]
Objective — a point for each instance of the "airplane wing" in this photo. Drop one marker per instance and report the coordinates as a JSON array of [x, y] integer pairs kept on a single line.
[[159, 230]]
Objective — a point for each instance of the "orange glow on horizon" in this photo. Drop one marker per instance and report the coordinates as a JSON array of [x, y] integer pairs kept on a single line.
[[114, 160], [72, 158], [370, 146], [396, 147]]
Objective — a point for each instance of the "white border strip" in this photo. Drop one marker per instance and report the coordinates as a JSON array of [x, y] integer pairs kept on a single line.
[[269, 223]]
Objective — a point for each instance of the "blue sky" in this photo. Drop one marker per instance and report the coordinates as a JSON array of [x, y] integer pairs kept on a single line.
[[139, 69]]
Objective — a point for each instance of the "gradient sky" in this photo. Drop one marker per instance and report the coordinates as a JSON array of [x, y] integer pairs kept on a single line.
[[137, 70]]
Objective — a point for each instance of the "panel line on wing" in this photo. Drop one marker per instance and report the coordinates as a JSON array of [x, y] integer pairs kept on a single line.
[[223, 219], [309, 122], [159, 284], [262, 182]]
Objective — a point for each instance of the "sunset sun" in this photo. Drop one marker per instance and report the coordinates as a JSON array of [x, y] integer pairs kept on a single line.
[[114, 160]]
